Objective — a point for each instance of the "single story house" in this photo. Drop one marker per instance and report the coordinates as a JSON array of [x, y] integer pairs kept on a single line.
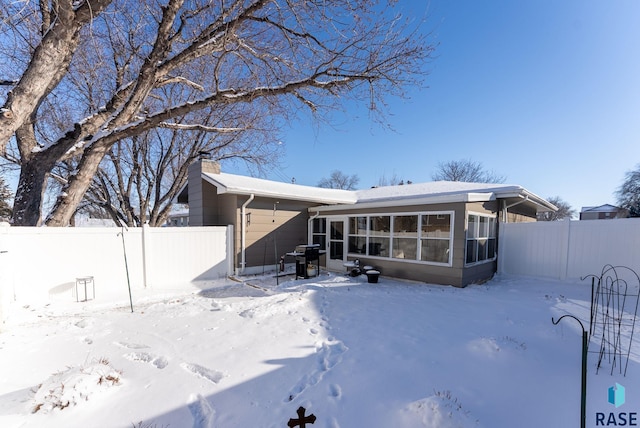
[[603, 212], [437, 232]]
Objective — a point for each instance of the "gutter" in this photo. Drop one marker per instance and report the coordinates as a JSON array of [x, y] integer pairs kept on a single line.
[[243, 238], [398, 202]]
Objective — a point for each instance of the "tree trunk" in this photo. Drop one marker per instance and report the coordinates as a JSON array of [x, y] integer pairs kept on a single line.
[[73, 192], [30, 192]]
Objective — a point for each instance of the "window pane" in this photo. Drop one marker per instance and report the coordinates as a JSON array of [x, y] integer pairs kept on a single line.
[[320, 239], [379, 247], [436, 225], [471, 251], [380, 225], [358, 226], [484, 229], [337, 230], [491, 248], [482, 250], [336, 250], [357, 244], [405, 225], [472, 228], [405, 248], [319, 225], [435, 250]]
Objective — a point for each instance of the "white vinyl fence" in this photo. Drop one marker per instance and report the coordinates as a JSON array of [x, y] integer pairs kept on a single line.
[[40, 264], [568, 250]]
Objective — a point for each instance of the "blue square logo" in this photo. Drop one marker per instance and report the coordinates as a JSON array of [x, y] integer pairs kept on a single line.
[[616, 395]]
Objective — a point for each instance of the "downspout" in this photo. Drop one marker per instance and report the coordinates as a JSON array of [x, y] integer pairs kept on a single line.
[[243, 235], [506, 207]]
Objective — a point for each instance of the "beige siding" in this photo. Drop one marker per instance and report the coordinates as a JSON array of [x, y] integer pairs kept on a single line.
[[454, 275], [270, 230]]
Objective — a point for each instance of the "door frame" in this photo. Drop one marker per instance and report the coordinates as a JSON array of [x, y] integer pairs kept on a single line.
[[336, 264]]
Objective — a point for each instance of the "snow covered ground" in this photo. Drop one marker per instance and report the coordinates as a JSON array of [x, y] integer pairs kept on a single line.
[[354, 354]]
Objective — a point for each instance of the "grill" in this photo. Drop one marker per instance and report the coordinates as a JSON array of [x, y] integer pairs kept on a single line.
[[306, 255]]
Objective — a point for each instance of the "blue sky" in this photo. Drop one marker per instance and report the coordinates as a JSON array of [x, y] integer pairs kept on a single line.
[[544, 92]]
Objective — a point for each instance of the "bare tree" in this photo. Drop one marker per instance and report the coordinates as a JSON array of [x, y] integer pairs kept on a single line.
[[140, 177], [394, 180], [80, 75], [628, 193], [339, 180], [564, 210], [466, 170]]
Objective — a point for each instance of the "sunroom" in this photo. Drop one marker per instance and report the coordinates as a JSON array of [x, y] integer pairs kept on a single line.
[[438, 238]]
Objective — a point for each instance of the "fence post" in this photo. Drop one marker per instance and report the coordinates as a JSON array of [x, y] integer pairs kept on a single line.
[[231, 255], [146, 248]]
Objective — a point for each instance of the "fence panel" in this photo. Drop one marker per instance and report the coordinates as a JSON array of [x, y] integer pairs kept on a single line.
[[568, 249], [182, 254], [40, 264]]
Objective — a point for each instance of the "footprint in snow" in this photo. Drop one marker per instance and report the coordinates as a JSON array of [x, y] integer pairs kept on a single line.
[[211, 375], [328, 355], [201, 411], [158, 361], [83, 323], [335, 390], [127, 345]]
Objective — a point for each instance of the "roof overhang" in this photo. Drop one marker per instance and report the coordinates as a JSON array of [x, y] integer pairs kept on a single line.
[[279, 190], [514, 197]]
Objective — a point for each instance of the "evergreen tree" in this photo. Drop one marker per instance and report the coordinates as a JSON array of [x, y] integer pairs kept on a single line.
[[5, 197]]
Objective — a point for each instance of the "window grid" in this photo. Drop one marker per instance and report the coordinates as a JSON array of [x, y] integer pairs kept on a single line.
[[406, 236], [481, 239]]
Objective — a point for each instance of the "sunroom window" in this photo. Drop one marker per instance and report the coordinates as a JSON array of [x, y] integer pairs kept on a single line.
[[405, 234], [481, 238], [319, 232], [417, 237], [436, 238], [358, 235], [379, 236]]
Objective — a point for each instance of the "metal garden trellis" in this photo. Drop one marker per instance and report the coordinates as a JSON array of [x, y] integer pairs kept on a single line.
[[611, 324]]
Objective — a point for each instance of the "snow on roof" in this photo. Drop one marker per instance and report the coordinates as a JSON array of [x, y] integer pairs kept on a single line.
[[433, 188], [238, 184], [435, 191]]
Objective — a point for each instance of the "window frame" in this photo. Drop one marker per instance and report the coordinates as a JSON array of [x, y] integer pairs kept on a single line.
[[478, 248], [372, 237]]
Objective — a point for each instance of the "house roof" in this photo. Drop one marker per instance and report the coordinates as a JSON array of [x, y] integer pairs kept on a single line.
[[399, 195], [241, 185], [601, 208], [443, 192]]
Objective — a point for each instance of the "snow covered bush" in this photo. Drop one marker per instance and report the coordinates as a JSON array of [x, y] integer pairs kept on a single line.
[[75, 385]]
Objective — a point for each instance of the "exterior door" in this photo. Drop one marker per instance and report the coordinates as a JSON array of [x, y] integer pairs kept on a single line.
[[336, 235]]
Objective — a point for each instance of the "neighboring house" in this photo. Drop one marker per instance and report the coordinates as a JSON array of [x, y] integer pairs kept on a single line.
[[436, 232], [603, 212], [178, 217]]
